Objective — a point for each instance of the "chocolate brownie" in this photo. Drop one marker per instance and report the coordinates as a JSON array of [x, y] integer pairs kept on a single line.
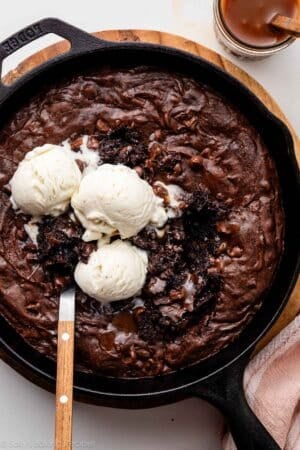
[[211, 265]]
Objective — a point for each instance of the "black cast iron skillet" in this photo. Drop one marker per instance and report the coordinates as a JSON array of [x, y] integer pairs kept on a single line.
[[218, 379]]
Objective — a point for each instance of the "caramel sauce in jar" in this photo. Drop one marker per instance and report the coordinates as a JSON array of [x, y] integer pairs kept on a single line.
[[249, 21]]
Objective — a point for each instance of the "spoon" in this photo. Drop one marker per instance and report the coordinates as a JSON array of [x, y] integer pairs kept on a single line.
[[65, 370], [292, 26]]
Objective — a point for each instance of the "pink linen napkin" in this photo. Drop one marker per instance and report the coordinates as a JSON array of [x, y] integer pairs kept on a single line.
[[272, 385]]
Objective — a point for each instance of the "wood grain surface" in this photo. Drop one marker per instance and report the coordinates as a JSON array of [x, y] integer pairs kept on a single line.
[[64, 385], [293, 307], [287, 24]]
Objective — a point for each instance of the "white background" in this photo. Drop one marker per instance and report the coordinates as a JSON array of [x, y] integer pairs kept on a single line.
[[26, 411]]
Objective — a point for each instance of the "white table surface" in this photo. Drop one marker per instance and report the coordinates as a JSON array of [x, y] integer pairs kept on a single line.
[[26, 411]]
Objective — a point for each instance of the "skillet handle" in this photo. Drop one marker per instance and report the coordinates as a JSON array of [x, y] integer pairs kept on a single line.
[[79, 39], [225, 390]]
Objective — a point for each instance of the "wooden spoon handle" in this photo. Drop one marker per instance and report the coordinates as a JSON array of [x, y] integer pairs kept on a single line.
[[288, 24], [64, 385]]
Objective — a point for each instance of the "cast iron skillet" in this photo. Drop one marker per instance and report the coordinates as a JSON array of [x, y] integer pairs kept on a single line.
[[218, 379]]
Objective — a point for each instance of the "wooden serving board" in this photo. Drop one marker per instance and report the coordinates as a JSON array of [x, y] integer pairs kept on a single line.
[[293, 307]]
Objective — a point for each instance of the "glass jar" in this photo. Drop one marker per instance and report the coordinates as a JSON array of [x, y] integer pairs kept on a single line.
[[237, 47]]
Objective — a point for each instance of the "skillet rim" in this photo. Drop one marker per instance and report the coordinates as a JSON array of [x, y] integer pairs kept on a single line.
[[269, 117]]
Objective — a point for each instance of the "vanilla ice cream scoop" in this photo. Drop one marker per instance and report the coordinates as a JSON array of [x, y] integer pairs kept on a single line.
[[115, 271], [114, 199], [45, 181]]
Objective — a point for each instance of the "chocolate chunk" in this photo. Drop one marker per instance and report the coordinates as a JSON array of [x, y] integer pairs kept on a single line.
[[60, 246], [123, 146]]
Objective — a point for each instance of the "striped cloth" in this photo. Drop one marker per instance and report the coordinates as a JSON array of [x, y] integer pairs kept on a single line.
[[272, 385]]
